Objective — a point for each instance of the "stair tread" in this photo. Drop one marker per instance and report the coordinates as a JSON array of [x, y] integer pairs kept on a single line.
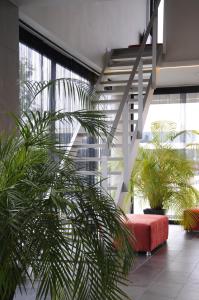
[[129, 63], [132, 51], [120, 122], [116, 75], [95, 159], [112, 188], [120, 82], [114, 172], [123, 72], [95, 145], [118, 92], [114, 101], [112, 111]]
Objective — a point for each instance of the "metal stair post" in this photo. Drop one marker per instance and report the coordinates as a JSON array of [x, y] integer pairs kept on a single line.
[[154, 50], [140, 99], [104, 165], [125, 143]]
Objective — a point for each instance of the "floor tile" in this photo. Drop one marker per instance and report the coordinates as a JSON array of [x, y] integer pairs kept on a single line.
[[166, 290], [152, 296], [173, 277], [171, 273]]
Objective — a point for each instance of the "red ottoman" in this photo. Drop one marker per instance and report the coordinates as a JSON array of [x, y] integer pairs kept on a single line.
[[150, 231], [191, 219]]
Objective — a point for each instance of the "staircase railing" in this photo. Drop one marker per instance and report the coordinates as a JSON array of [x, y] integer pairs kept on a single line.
[[129, 153], [129, 149], [151, 26]]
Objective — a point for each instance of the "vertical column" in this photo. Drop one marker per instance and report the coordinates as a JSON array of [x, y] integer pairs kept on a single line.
[[9, 61], [52, 104]]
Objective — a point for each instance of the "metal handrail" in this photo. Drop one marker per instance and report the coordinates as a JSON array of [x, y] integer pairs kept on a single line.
[[133, 73]]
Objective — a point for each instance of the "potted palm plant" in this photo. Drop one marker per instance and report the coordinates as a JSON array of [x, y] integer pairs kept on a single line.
[[162, 174], [57, 230]]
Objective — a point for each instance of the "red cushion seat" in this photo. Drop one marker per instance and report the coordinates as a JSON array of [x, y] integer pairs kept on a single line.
[[191, 219], [150, 231]]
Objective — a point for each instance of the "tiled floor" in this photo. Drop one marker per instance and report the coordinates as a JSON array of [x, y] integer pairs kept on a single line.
[[172, 272]]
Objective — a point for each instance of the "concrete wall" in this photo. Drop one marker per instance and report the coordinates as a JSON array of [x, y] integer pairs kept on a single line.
[[181, 30], [9, 100], [87, 27]]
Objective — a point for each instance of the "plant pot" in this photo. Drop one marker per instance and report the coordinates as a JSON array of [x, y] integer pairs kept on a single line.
[[153, 211]]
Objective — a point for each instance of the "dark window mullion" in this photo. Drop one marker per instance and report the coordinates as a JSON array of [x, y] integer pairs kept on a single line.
[[52, 98]]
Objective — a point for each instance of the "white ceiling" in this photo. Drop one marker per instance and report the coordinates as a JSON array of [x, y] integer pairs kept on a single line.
[[169, 74], [28, 2]]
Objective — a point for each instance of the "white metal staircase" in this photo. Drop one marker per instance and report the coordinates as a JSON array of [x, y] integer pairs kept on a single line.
[[125, 87]]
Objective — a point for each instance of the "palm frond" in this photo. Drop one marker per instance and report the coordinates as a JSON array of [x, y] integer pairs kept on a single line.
[[56, 223], [77, 91]]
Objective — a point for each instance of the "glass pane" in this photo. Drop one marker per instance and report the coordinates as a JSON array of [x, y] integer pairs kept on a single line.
[[64, 131], [182, 109], [33, 68]]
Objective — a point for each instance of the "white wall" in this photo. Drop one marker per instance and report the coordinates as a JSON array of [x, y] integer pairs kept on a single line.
[[87, 27], [181, 30]]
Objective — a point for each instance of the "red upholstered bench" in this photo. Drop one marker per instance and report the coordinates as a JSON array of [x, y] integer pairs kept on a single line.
[[150, 231], [191, 219]]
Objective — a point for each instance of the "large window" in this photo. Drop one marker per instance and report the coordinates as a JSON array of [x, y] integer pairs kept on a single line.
[[182, 109], [36, 67]]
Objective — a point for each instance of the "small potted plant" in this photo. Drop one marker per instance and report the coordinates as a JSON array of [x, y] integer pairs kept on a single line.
[[162, 174]]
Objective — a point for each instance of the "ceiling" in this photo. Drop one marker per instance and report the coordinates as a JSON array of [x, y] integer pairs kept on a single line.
[[28, 2], [49, 2], [169, 74]]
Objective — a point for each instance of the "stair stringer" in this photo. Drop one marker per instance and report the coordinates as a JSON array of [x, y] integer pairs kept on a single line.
[[122, 190]]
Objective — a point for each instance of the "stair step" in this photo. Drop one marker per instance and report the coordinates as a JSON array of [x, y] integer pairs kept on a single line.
[[119, 92], [94, 146], [121, 82], [114, 101], [131, 52], [111, 122], [114, 173], [112, 188], [129, 64], [110, 111], [123, 59], [87, 146], [109, 72], [115, 158], [86, 173], [117, 134], [132, 122], [133, 111], [96, 159], [87, 159], [114, 111]]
